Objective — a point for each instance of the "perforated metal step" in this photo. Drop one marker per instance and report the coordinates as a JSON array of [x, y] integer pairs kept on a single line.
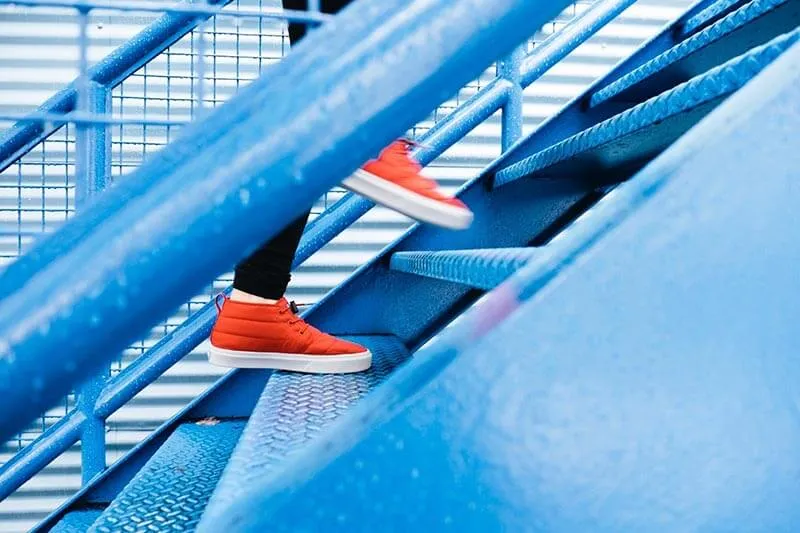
[[637, 135], [482, 269], [753, 24], [292, 410], [171, 491]]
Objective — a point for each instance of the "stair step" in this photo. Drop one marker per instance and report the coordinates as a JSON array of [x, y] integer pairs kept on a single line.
[[483, 269], [292, 410], [640, 133], [171, 491], [77, 521], [752, 24], [711, 14]]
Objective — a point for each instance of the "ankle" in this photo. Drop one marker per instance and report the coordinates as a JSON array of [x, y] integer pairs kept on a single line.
[[244, 297]]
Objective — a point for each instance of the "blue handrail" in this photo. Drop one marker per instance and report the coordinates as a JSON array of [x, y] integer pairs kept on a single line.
[[174, 346], [341, 113]]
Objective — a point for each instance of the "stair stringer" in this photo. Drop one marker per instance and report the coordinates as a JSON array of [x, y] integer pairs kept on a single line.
[[647, 380]]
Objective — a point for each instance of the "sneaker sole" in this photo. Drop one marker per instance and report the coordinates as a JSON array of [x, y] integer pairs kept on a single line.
[[307, 364], [409, 203]]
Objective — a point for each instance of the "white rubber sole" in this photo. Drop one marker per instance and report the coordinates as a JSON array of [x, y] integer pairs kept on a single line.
[[307, 364], [409, 203]]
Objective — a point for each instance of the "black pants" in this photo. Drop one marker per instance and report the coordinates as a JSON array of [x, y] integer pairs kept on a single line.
[[266, 273]]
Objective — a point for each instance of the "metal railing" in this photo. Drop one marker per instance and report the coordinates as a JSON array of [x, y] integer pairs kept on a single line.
[[85, 103]]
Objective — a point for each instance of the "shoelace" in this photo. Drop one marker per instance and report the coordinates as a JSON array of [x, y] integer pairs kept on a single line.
[[292, 307]]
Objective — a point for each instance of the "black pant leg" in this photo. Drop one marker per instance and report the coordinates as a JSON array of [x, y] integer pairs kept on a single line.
[[266, 273]]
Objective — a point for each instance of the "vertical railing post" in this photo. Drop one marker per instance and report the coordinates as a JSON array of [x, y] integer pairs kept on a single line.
[[510, 69], [93, 147], [92, 168]]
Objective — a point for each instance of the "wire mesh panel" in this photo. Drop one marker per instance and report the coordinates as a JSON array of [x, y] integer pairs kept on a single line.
[[39, 55]]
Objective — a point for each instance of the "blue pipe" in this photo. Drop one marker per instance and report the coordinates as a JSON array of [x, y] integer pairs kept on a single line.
[[576, 32], [322, 124], [111, 71], [35, 456], [92, 169], [509, 69]]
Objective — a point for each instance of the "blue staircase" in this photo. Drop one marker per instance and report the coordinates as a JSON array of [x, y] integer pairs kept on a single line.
[[623, 358]]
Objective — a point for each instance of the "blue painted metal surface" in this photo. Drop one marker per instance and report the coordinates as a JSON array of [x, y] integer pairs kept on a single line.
[[93, 147], [77, 522], [47, 446], [509, 69], [171, 491], [577, 115], [294, 409], [503, 218], [232, 397], [651, 389], [287, 142], [711, 14], [643, 130], [92, 169], [755, 23], [482, 269]]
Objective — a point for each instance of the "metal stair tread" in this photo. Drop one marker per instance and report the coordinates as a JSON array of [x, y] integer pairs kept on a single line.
[[714, 11], [673, 112], [77, 521], [292, 410], [171, 491], [672, 59], [480, 268]]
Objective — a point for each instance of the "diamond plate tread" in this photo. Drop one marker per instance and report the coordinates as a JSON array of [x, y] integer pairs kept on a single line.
[[170, 492], [732, 22], [710, 13], [482, 269], [717, 83], [292, 410], [77, 521]]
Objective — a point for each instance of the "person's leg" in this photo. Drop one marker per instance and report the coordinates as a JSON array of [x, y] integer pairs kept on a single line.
[[257, 327], [264, 276], [394, 178]]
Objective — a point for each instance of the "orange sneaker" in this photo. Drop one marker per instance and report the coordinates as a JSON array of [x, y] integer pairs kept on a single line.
[[394, 180], [249, 335]]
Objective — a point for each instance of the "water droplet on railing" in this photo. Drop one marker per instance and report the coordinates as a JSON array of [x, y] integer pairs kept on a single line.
[[244, 197]]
